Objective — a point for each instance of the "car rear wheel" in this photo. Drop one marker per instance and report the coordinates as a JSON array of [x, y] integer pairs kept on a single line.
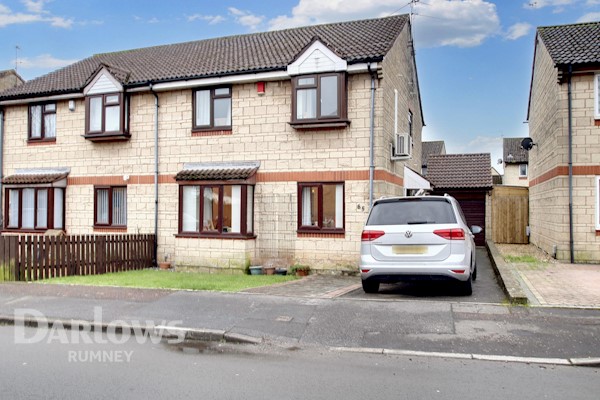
[[475, 273], [370, 287], [466, 287]]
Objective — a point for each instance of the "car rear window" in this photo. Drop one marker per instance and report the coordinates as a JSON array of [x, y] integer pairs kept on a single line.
[[412, 212]]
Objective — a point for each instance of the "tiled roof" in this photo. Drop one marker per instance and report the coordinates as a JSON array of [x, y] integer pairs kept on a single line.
[[513, 146], [431, 148], [572, 44], [354, 41], [460, 171], [217, 171], [33, 178]]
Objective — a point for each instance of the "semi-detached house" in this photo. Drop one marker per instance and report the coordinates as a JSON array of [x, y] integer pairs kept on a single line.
[[233, 150]]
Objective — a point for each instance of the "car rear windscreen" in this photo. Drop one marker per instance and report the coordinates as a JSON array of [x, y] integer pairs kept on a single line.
[[412, 212]]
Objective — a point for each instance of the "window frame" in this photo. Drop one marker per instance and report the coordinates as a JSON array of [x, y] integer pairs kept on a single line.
[[597, 96], [342, 99], [42, 137], [526, 171], [211, 126], [110, 207], [597, 180], [319, 228], [123, 104], [50, 204], [218, 233]]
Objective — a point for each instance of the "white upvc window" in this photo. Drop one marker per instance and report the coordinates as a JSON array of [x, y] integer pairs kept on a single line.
[[522, 170]]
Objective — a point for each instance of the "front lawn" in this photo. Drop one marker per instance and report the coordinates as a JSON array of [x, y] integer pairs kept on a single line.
[[150, 278]]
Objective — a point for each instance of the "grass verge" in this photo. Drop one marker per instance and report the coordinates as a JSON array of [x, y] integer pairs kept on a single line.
[[158, 279], [526, 259]]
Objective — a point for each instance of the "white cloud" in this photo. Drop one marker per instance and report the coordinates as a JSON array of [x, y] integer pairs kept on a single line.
[[45, 61], [591, 3], [211, 19], [35, 13], [518, 30], [590, 17], [246, 18], [437, 23], [36, 7], [537, 4]]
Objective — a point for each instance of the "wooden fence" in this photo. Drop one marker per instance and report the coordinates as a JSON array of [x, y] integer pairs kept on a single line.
[[510, 214], [34, 257]]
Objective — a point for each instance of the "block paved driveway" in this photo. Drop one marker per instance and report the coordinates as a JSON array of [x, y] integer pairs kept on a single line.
[[485, 289]]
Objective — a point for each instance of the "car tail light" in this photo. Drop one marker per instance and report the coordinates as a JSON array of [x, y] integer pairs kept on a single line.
[[451, 234], [458, 271], [365, 271], [368, 236]]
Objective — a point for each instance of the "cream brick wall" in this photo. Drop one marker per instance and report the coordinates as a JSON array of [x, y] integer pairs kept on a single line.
[[260, 132], [549, 200], [511, 176]]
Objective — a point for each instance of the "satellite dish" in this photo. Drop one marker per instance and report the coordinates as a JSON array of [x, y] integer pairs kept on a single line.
[[527, 144]]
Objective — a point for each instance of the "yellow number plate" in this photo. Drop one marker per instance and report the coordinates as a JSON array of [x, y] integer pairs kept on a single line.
[[409, 249]]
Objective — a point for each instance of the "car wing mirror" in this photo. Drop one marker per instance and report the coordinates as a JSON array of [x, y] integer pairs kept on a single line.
[[475, 229]]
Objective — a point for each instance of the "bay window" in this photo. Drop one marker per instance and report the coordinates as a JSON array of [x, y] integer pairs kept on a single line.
[[110, 206], [212, 109], [34, 209], [319, 98], [42, 122], [216, 210], [106, 115], [321, 207]]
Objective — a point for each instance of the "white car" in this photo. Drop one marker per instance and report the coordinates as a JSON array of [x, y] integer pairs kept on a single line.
[[417, 238]]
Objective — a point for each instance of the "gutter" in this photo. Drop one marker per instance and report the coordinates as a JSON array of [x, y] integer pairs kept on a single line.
[[156, 106], [570, 119], [372, 136]]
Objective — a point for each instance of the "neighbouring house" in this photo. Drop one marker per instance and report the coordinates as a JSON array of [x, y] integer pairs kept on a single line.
[[468, 178], [9, 79], [516, 160], [496, 177], [233, 150], [564, 124], [434, 148]]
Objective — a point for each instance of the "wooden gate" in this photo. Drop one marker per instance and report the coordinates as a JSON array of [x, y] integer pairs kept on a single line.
[[510, 214]]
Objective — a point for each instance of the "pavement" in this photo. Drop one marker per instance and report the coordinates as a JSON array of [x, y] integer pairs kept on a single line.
[[332, 312]]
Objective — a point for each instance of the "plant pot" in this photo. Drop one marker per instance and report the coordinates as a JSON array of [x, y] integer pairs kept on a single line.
[[280, 271], [164, 265], [301, 272], [258, 270], [269, 270]]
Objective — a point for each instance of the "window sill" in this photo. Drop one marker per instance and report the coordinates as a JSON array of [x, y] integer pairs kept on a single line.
[[332, 234], [110, 229], [523, 178], [320, 125], [230, 236], [28, 231], [107, 137], [40, 142], [212, 132]]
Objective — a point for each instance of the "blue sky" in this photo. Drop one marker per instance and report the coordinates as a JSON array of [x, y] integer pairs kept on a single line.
[[474, 56]]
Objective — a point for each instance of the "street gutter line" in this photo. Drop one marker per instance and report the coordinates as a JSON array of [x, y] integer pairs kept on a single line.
[[574, 362]]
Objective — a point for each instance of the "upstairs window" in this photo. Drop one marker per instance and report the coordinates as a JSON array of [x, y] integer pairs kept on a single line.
[[106, 115], [42, 122], [110, 206], [212, 109], [522, 170], [319, 98]]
